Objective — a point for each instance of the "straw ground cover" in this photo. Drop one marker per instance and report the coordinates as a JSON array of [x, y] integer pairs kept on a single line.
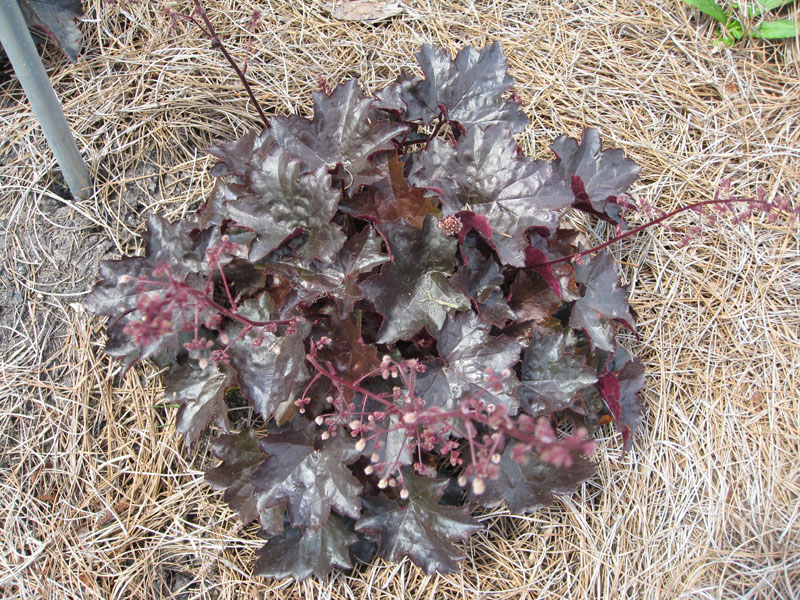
[[97, 498]]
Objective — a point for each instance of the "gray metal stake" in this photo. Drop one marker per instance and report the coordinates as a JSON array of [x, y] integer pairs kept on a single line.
[[19, 47]]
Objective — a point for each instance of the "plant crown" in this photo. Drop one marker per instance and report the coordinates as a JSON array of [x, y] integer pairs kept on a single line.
[[389, 286]]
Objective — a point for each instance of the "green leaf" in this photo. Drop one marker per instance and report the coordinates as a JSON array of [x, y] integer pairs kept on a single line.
[[773, 30], [762, 6], [710, 8]]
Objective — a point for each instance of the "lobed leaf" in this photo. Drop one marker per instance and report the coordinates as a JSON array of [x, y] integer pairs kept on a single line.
[[413, 291], [529, 486], [598, 178], [603, 303], [342, 132], [201, 395], [470, 88], [298, 555], [283, 201], [419, 528], [308, 481], [552, 373], [241, 456], [486, 175]]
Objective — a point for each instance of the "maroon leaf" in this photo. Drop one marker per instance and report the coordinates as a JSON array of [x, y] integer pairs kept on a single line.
[[530, 486], [419, 528], [552, 374], [470, 357], [597, 178], [413, 291], [533, 299], [486, 175], [603, 303], [241, 456], [480, 279], [283, 202], [471, 88], [390, 198], [201, 394], [341, 133], [293, 554], [308, 481], [270, 369], [347, 353], [119, 291], [631, 381], [235, 157]]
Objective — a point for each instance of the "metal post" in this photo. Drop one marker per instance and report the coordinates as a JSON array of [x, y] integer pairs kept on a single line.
[[19, 47]]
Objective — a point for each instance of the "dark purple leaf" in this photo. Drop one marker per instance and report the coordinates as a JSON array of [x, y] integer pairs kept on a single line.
[[201, 394], [419, 528], [560, 277], [298, 555], [283, 202], [485, 174], [620, 391], [530, 486], [390, 197], [58, 19], [603, 304], [480, 279], [271, 369], [235, 157], [347, 354], [391, 450], [119, 290], [341, 132], [469, 357], [360, 255], [597, 178], [308, 481], [533, 299], [471, 88], [552, 374], [413, 291], [241, 456]]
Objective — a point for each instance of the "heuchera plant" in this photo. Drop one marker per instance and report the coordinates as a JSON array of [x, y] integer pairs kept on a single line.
[[390, 288]]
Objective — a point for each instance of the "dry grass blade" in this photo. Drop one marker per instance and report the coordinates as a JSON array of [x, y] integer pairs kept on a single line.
[[96, 497]]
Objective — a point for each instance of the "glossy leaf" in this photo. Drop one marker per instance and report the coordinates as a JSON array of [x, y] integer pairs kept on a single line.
[[306, 480], [598, 177], [241, 456], [552, 374], [470, 355], [270, 369], [479, 278], [298, 555], [413, 291], [485, 174], [58, 19], [391, 198], [201, 395], [419, 528], [471, 88], [603, 304], [284, 202], [341, 132], [529, 486]]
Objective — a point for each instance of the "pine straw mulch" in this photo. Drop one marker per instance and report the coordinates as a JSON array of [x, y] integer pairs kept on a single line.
[[98, 499]]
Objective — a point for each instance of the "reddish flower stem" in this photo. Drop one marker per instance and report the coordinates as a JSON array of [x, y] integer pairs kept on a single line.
[[677, 211]]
